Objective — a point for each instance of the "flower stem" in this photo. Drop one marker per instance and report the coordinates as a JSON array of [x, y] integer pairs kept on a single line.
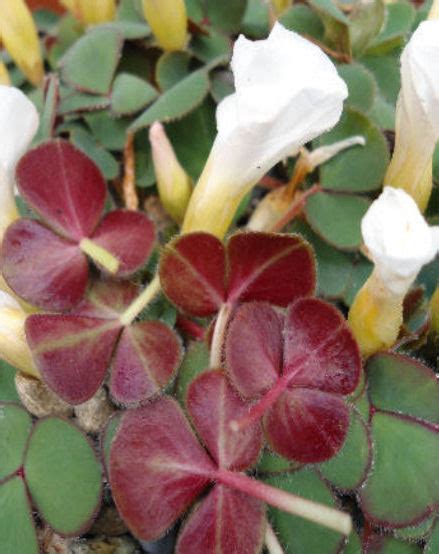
[[99, 255], [271, 541], [295, 505], [216, 349], [144, 298], [295, 209]]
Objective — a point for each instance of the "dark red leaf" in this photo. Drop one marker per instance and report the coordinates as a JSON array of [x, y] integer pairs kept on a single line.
[[64, 186], [129, 236], [157, 467], [269, 267], [212, 404], [307, 425], [107, 299], [72, 352], [254, 351], [192, 271], [305, 415], [146, 359], [226, 521], [44, 269]]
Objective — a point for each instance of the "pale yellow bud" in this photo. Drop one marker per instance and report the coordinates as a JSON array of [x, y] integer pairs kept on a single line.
[[375, 316], [173, 183], [13, 346], [270, 210], [168, 22], [4, 75], [279, 6], [20, 38], [91, 12], [434, 10], [434, 307]]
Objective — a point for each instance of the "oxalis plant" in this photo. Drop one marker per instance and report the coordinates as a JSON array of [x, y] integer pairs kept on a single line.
[[219, 307]]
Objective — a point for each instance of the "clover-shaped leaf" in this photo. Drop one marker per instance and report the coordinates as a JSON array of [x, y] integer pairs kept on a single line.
[[46, 263], [73, 351], [297, 368], [198, 273], [156, 455]]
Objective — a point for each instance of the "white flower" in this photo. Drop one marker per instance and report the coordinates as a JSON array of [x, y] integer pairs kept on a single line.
[[398, 239], [18, 124], [417, 114], [287, 93]]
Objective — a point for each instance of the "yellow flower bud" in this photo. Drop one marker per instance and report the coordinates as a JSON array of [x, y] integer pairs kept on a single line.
[[279, 6], [168, 22], [91, 12], [4, 75], [20, 38], [173, 183], [375, 316], [13, 345], [434, 307]]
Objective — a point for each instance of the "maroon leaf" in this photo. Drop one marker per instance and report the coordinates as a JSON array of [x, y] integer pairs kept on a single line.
[[146, 359], [129, 236], [307, 425], [64, 186], [254, 354], [212, 404], [270, 267], [72, 352], [198, 275], [226, 521], [192, 271], [157, 467], [44, 269], [305, 415], [107, 299]]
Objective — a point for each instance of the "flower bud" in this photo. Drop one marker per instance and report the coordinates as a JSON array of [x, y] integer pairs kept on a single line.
[[173, 183], [417, 115], [168, 22], [13, 345], [399, 242], [20, 38], [279, 6], [287, 93], [91, 12]]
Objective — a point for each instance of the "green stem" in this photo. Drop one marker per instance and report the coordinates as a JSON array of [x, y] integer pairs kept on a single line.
[[144, 298], [99, 255]]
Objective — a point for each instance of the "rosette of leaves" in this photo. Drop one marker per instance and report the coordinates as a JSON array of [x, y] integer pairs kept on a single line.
[[49, 467], [73, 351], [44, 261]]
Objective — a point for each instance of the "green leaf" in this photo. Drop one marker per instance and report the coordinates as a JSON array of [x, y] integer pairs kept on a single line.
[[361, 84], [172, 67], [73, 101], [354, 545], [110, 132], [302, 19], [390, 545], [336, 218], [214, 49], [63, 475], [399, 20], [89, 65], [360, 272], [15, 426], [145, 175], [385, 69], [193, 136], [393, 380], [130, 94], [130, 30], [48, 117], [404, 485], [336, 25], [272, 463], [367, 20], [357, 169], [349, 467], [382, 113], [255, 22], [333, 267], [222, 85], [17, 529], [177, 101], [104, 160], [108, 435], [195, 361], [432, 545], [298, 535], [226, 16], [8, 392], [416, 532]]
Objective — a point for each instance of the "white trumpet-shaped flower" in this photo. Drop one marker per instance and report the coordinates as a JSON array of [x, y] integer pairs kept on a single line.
[[287, 93], [13, 346], [399, 242], [417, 115], [18, 124]]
